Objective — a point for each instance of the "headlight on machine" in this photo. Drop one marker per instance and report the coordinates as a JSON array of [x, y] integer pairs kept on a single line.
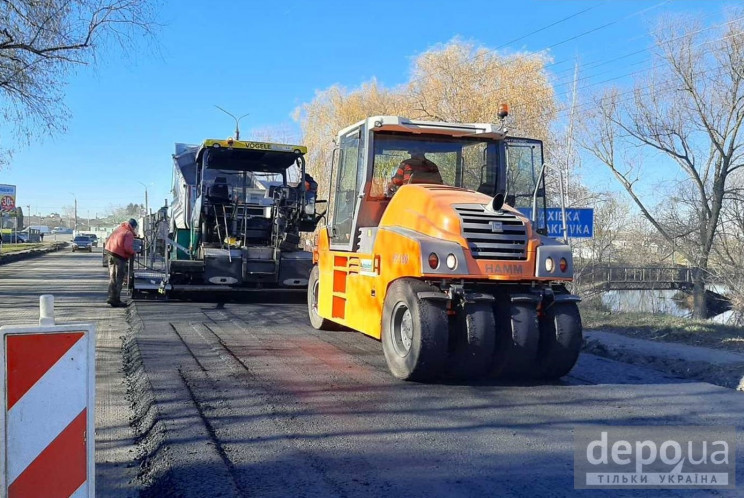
[[549, 265], [441, 257], [553, 260]]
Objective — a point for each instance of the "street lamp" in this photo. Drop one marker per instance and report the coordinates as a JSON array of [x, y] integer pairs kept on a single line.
[[237, 121], [147, 210]]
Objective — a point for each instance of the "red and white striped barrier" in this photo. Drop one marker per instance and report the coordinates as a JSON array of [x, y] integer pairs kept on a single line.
[[47, 421]]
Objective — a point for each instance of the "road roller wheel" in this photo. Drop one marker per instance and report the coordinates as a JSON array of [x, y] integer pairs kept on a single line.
[[560, 340], [415, 331], [519, 321], [313, 293], [472, 341]]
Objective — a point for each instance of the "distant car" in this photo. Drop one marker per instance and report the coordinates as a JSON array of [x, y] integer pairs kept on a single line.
[[61, 230], [82, 243], [93, 238], [14, 237]]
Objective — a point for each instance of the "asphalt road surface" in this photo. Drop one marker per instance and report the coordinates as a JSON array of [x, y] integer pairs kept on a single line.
[[246, 399], [268, 406], [78, 283]]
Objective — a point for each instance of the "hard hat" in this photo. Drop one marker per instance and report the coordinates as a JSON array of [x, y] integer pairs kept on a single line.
[[132, 223]]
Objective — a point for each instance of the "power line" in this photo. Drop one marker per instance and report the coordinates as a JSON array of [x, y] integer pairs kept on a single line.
[[607, 25], [658, 88], [549, 25], [625, 75], [488, 52], [599, 63], [646, 49]]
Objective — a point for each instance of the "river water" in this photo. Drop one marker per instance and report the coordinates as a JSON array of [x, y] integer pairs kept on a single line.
[[668, 302]]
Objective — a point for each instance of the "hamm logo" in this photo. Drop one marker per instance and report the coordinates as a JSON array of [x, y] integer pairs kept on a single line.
[[501, 269]]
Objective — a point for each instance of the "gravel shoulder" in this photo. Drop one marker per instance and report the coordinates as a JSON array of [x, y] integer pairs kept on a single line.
[[683, 347], [666, 329], [722, 368]]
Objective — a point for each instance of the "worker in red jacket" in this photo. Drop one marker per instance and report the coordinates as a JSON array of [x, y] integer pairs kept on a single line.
[[416, 169], [119, 247]]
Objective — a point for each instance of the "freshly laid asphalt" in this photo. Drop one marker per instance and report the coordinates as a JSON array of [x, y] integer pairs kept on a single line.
[[246, 399]]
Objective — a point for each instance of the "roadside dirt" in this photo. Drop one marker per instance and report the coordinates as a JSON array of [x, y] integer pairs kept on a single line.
[[32, 252], [662, 328], [727, 338], [727, 375]]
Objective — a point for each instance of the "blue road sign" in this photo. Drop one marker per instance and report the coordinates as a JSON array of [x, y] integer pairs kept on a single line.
[[579, 221]]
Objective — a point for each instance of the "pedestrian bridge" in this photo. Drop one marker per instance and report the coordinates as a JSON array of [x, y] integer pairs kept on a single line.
[[636, 277]]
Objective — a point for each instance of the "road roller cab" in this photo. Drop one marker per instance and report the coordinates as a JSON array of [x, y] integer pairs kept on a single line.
[[427, 250]]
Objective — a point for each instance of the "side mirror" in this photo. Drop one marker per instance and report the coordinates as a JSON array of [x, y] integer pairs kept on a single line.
[[511, 199]]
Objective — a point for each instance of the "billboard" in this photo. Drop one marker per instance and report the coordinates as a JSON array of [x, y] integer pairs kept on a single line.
[[7, 197]]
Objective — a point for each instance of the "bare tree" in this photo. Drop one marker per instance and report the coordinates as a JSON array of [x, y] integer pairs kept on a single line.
[[42, 41], [728, 250], [610, 225], [690, 111]]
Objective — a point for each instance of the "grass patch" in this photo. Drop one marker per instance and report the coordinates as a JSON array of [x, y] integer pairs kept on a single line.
[[10, 248], [667, 328]]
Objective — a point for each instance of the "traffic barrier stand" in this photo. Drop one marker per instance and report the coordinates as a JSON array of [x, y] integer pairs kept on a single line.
[[47, 421]]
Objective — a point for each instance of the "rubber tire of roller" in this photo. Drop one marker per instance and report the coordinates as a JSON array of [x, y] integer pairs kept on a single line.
[[561, 339], [317, 321], [523, 336], [426, 358], [474, 329]]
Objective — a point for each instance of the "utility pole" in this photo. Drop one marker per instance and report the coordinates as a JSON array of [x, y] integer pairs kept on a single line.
[[76, 214], [145, 223], [29, 214]]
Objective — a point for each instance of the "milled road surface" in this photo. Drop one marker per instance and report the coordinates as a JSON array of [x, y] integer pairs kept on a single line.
[[246, 399], [78, 283]]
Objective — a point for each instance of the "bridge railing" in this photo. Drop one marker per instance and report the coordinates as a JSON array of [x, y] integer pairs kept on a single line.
[[595, 275]]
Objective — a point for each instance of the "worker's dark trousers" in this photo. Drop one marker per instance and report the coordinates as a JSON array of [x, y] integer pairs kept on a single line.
[[117, 274]]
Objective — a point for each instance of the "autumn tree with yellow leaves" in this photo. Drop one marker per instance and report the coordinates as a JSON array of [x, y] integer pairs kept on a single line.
[[456, 82]]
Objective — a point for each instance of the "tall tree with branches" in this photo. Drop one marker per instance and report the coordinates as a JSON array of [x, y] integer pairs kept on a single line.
[[690, 111], [457, 81], [42, 41]]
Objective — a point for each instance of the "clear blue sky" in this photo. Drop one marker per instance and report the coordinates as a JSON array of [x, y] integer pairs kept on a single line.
[[266, 58]]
